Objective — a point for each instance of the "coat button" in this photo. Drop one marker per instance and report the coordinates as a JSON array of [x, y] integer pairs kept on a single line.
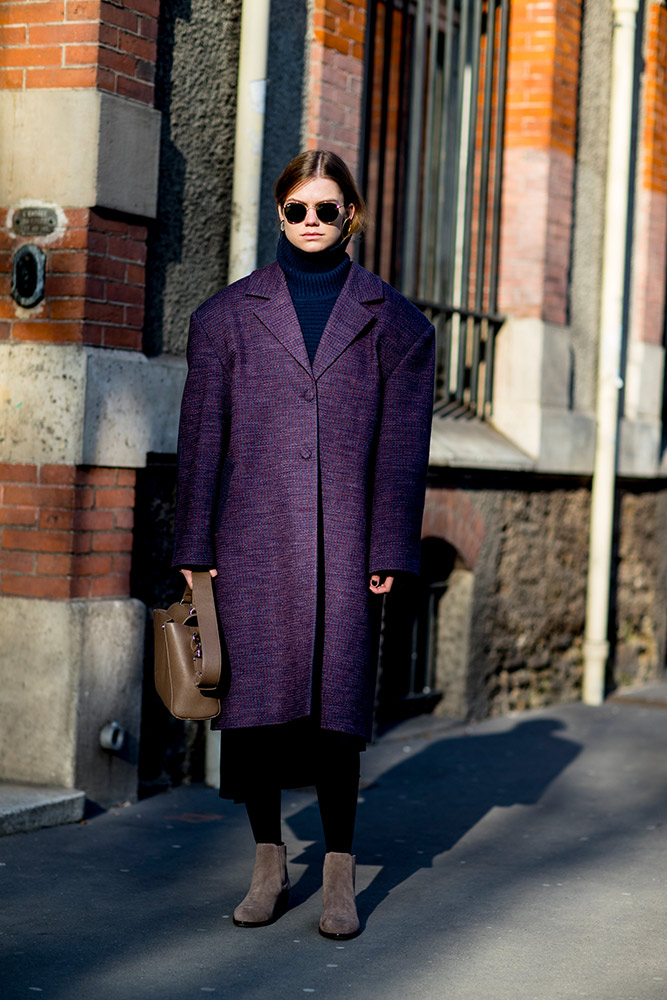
[[308, 394], [305, 452]]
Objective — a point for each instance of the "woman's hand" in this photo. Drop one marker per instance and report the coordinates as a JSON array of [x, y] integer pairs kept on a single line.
[[187, 573], [380, 588]]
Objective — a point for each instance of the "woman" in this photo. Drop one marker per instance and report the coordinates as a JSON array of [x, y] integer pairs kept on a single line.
[[302, 459]]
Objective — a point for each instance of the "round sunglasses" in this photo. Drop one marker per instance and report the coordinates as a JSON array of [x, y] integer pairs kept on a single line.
[[326, 211]]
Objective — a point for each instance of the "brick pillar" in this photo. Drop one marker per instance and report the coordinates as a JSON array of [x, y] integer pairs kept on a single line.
[[538, 172], [80, 141], [646, 357], [650, 246], [336, 77], [533, 372]]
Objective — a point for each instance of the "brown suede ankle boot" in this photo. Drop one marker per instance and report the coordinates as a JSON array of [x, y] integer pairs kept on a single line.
[[269, 890], [339, 909]]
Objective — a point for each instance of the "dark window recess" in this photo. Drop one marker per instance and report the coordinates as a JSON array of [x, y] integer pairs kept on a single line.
[[407, 643], [431, 169]]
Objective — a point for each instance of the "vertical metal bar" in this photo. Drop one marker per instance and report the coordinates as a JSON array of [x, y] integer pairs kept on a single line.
[[459, 170], [443, 346], [472, 142], [498, 159], [448, 138], [384, 115], [482, 208], [367, 107], [401, 115], [425, 289], [469, 189], [412, 182], [497, 200], [486, 153]]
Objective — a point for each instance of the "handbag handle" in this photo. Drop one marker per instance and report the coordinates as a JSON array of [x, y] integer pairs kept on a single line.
[[210, 659]]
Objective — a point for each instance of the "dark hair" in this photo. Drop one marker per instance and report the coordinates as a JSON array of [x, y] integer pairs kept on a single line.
[[322, 163]]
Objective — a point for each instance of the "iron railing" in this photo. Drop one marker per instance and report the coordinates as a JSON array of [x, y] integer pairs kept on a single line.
[[431, 170]]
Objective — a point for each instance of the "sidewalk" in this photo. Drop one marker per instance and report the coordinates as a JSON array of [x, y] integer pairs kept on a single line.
[[523, 858]]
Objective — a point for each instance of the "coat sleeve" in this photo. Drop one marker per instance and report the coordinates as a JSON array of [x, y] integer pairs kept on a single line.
[[401, 460], [202, 438]]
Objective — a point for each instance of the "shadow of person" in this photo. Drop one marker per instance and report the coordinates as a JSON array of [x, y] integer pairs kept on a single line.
[[424, 805]]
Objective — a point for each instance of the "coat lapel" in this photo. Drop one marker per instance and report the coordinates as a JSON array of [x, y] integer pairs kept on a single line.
[[274, 308], [349, 316]]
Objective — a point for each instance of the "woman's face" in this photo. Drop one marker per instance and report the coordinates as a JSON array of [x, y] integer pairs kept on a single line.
[[311, 234]]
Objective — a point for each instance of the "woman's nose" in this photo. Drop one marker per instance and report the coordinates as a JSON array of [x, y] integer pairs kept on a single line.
[[311, 217]]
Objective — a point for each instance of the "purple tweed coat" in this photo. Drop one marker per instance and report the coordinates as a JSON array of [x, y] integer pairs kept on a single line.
[[256, 421]]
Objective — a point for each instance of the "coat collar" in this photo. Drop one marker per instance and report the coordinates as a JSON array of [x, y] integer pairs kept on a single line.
[[349, 316]]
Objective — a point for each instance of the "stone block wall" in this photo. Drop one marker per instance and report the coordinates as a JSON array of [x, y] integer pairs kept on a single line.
[[528, 598]]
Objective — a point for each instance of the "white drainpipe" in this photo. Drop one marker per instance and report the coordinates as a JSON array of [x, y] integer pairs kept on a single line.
[[246, 192], [596, 645], [249, 142]]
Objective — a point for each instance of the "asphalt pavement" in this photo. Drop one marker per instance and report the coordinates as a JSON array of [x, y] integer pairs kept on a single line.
[[521, 858]]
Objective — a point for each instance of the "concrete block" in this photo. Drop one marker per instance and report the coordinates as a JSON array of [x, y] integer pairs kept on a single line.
[[532, 397], [40, 656], [567, 442], [132, 406], [79, 148], [75, 405], [30, 807], [110, 682], [644, 373], [49, 146], [67, 668], [640, 444], [128, 155], [42, 392]]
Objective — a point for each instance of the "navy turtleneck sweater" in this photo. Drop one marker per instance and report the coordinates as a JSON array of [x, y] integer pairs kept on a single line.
[[314, 281]]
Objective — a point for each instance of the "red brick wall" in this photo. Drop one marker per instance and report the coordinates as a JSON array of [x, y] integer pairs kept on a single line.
[[80, 43], [450, 514], [336, 77], [650, 245], [65, 531], [540, 139], [94, 286]]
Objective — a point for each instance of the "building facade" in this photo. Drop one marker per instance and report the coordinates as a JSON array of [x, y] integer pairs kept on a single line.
[[479, 131]]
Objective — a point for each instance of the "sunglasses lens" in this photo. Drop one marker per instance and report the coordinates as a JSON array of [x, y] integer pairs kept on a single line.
[[327, 212], [295, 212]]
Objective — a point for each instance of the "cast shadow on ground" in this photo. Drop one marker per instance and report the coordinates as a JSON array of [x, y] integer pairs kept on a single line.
[[423, 806]]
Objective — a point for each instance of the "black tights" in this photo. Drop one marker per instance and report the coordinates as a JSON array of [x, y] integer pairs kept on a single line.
[[337, 791]]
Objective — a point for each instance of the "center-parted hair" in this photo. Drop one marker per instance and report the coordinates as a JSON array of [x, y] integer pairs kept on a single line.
[[322, 163]]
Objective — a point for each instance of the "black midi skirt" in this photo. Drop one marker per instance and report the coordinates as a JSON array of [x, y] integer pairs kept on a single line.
[[291, 754]]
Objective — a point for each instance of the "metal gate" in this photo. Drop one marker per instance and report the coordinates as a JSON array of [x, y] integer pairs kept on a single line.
[[431, 170]]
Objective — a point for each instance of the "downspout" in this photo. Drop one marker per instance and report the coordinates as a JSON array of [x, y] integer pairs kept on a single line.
[[246, 193], [249, 140], [596, 644]]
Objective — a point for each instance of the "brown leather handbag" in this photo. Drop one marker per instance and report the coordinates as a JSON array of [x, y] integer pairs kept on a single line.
[[188, 653]]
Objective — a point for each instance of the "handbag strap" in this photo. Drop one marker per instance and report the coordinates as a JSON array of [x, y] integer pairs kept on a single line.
[[207, 621]]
